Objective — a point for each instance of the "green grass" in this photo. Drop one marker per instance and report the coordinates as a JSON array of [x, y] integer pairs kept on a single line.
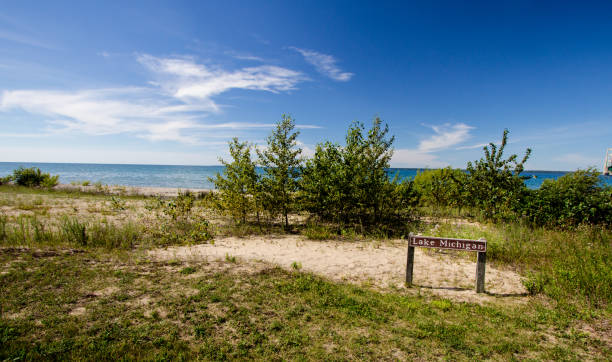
[[57, 305], [83, 291], [573, 267], [69, 231]]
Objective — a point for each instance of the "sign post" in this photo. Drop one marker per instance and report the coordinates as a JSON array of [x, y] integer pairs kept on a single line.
[[409, 265], [479, 246]]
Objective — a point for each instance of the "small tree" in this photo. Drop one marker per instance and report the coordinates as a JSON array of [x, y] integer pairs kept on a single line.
[[281, 161], [495, 184], [350, 185], [238, 186]]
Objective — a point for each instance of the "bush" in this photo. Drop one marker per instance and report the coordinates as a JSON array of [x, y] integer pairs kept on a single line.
[[33, 177], [350, 186], [575, 198], [441, 187], [495, 185], [177, 223], [6, 180], [238, 186]]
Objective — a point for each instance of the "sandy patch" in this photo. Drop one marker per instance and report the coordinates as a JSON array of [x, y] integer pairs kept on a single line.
[[105, 292], [78, 311], [452, 221], [381, 266]]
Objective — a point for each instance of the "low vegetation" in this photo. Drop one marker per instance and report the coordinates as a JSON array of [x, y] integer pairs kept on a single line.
[[31, 177], [84, 305], [76, 282]]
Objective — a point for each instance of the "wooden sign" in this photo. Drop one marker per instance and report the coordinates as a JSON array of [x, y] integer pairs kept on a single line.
[[479, 246], [446, 243]]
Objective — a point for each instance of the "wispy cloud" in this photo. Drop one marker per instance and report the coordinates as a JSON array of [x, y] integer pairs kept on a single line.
[[174, 107], [187, 80], [471, 147], [24, 40], [240, 56], [324, 64], [14, 31], [445, 137]]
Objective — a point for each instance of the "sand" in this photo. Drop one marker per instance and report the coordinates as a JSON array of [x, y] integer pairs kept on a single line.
[[379, 265]]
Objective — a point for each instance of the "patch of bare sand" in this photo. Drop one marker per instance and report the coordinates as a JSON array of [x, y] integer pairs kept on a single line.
[[78, 311], [380, 265], [452, 221]]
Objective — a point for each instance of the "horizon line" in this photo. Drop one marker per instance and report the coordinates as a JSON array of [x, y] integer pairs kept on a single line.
[[184, 165]]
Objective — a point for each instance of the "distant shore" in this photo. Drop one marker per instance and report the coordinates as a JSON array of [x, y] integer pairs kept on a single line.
[[131, 190]]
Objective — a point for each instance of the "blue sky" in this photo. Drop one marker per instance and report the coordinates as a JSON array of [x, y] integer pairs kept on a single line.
[[157, 82]]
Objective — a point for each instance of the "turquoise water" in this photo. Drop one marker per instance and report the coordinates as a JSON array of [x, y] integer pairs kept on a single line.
[[184, 176]]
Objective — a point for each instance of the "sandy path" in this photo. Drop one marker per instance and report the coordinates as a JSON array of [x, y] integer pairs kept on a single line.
[[380, 265]]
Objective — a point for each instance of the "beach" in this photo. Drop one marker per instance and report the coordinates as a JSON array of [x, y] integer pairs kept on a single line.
[[131, 190]]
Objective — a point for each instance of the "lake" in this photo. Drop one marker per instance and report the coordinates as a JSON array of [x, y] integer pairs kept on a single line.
[[187, 176]]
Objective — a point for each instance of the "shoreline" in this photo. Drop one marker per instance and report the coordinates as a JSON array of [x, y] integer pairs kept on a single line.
[[131, 190]]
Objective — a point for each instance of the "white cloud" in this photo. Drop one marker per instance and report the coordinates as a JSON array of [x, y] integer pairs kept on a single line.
[[471, 147], [324, 64], [445, 137], [415, 158], [189, 81], [115, 154], [246, 57], [172, 109]]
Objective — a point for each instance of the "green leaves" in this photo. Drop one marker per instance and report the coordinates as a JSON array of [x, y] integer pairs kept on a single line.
[[575, 198], [494, 184], [282, 165], [441, 187], [32, 177], [350, 185], [238, 187]]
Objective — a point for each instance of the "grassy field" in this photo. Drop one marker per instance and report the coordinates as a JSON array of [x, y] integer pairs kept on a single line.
[[76, 283]]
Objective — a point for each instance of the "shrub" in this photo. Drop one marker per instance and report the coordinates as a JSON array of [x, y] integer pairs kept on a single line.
[[494, 184], [441, 187], [180, 207], [238, 186], [6, 180], [575, 198], [317, 232], [117, 203], [177, 224], [350, 186], [33, 177]]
